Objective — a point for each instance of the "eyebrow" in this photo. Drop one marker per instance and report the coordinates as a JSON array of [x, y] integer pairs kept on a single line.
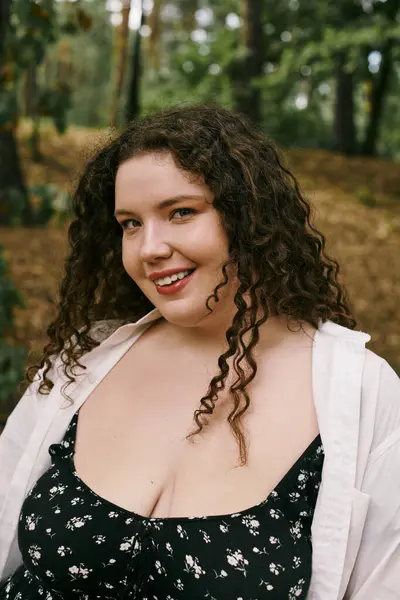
[[164, 204]]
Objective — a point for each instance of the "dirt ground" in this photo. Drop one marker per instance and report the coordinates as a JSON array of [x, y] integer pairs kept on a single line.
[[365, 240]]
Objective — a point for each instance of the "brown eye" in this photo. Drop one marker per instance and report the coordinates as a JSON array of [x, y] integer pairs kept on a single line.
[[124, 224], [190, 210]]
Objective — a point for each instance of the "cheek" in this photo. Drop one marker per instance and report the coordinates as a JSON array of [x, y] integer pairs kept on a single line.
[[129, 261]]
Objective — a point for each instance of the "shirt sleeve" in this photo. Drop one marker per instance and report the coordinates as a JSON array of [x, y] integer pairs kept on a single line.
[[18, 429], [377, 570]]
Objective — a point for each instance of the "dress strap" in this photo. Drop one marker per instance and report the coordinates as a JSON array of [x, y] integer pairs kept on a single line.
[[66, 448]]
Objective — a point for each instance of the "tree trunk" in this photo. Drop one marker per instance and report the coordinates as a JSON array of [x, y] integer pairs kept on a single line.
[[380, 87], [133, 103], [247, 96], [12, 184], [14, 200], [4, 18], [344, 127], [154, 40], [32, 111], [121, 56], [378, 94]]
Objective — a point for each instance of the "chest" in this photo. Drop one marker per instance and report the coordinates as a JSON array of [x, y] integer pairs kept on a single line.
[[132, 445]]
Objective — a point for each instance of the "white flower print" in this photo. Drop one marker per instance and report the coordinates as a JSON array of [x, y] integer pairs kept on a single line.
[[113, 514], [192, 566], [251, 523], [81, 571], [74, 570], [236, 560], [49, 533], [112, 561], [179, 585], [99, 539], [76, 501], [77, 522], [296, 590], [31, 522], [276, 569], [302, 479], [64, 550], [296, 562], [268, 586], [221, 575], [275, 541], [275, 513], [296, 529], [258, 551], [34, 552], [57, 490], [157, 525], [127, 544], [224, 527], [182, 532], [170, 551], [294, 496], [206, 537], [130, 542], [160, 569]]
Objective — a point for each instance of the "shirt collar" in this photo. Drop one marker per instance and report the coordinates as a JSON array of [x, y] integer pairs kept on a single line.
[[124, 332], [128, 330]]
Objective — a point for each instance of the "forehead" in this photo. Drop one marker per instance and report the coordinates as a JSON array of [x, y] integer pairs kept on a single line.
[[154, 176]]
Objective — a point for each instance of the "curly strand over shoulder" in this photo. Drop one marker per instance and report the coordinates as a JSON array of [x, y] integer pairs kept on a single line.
[[282, 266]]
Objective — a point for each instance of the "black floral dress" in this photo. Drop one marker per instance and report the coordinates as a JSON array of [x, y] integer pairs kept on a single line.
[[76, 545]]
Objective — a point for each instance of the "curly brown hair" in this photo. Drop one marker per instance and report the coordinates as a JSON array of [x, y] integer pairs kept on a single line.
[[282, 267]]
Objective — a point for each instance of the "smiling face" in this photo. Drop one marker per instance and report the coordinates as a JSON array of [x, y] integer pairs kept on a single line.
[[169, 222]]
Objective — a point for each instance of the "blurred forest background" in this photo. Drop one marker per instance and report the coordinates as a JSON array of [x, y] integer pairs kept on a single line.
[[321, 78]]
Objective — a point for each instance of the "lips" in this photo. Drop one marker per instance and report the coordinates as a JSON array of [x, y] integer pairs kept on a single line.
[[168, 273], [176, 286], [188, 271]]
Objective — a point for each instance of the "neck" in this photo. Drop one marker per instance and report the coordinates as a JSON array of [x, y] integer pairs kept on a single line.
[[209, 334]]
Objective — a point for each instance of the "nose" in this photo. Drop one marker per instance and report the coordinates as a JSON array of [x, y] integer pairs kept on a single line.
[[154, 243]]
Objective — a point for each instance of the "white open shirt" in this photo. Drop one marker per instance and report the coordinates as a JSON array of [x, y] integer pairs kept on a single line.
[[356, 525]]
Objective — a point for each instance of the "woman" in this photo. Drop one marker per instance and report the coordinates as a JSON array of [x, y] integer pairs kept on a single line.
[[196, 287]]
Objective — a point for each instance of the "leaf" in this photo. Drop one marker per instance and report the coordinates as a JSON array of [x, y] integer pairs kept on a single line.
[[85, 21]]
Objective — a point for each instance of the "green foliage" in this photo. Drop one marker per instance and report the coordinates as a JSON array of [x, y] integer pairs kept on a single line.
[[35, 28], [12, 364], [52, 202], [55, 103], [91, 78], [12, 359], [13, 208], [9, 297], [8, 107]]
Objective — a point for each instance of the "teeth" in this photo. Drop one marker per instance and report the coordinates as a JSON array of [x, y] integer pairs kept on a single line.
[[169, 280]]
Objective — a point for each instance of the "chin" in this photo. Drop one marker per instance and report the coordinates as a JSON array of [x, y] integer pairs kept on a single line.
[[185, 315]]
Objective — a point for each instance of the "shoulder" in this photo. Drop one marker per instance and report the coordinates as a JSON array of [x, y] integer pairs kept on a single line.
[[379, 385], [381, 388]]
